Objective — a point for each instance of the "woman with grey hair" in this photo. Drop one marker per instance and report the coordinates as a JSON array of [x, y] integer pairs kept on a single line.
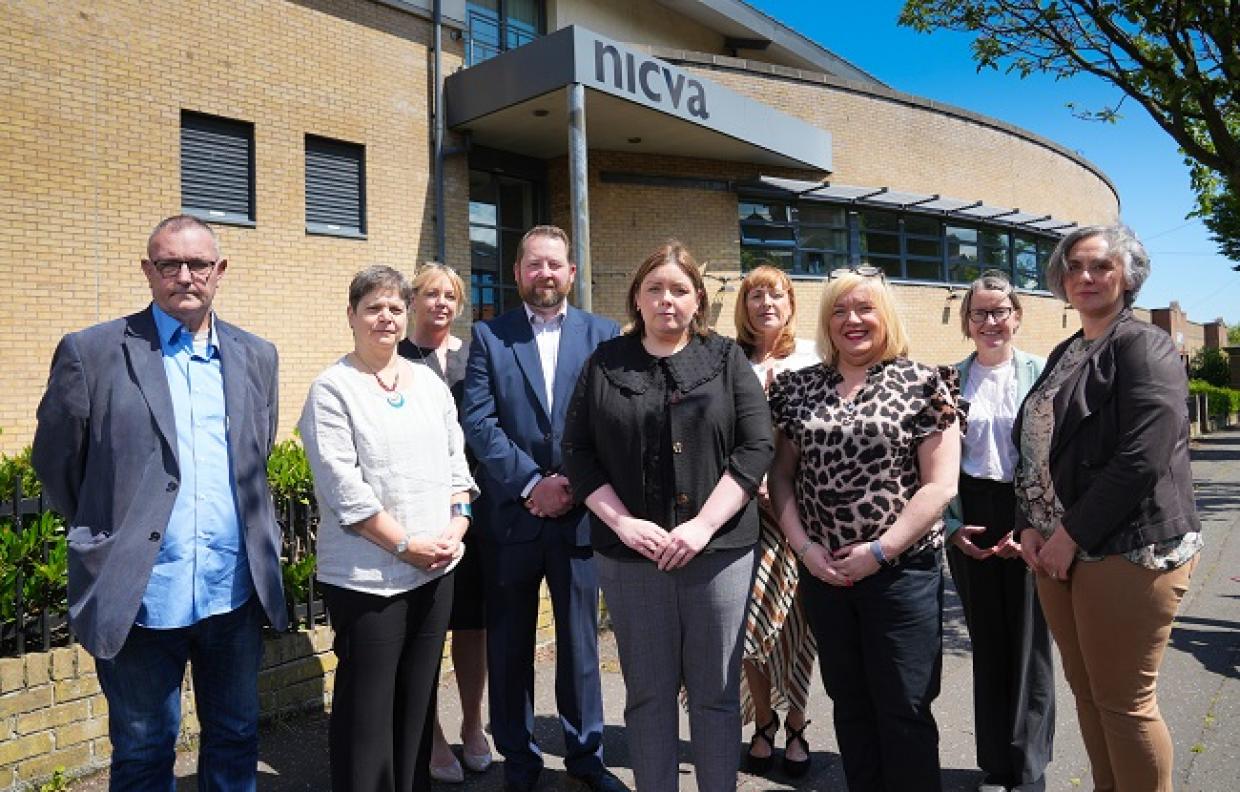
[[394, 493], [1013, 673], [1107, 519]]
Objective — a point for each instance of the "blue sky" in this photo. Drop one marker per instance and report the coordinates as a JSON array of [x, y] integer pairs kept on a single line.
[[1140, 159]]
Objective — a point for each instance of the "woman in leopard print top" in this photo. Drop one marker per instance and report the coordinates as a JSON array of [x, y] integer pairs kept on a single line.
[[866, 459]]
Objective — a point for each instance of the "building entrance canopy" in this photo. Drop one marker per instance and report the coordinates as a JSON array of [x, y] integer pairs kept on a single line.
[[518, 102]]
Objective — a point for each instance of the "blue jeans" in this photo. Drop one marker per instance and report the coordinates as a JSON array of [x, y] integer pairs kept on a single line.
[[143, 688]]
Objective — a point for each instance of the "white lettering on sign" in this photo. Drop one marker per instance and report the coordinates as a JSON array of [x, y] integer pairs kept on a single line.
[[655, 80]]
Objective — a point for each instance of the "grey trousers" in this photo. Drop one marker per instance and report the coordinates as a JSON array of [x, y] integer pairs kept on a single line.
[[680, 627]]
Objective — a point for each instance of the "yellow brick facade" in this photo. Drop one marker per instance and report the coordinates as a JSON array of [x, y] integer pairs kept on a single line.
[[92, 97], [89, 162]]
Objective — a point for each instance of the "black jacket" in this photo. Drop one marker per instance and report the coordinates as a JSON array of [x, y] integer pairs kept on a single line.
[[1119, 454], [663, 431]]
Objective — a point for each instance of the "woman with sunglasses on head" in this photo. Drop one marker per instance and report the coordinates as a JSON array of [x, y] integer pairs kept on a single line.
[[1013, 674], [438, 294], [779, 648], [866, 459], [1107, 519]]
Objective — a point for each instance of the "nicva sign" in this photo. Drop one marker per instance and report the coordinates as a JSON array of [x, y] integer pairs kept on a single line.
[[659, 83]]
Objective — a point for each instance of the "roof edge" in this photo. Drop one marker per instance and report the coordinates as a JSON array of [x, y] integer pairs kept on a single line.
[[880, 91]]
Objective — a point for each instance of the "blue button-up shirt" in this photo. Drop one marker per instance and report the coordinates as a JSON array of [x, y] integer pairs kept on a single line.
[[201, 569]]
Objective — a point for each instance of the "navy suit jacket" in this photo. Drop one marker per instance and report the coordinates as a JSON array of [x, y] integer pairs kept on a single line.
[[508, 425], [106, 452]]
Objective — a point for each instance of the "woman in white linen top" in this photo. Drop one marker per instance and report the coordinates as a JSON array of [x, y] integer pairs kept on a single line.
[[393, 489]]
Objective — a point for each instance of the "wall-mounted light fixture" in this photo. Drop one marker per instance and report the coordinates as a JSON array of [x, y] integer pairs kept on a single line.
[[727, 283]]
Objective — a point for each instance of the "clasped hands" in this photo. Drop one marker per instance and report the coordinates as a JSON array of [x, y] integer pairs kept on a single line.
[[1053, 556], [844, 567], [1007, 547], [551, 497], [669, 549], [435, 553]]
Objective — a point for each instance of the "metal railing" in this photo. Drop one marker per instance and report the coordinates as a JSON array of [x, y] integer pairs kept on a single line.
[[42, 625]]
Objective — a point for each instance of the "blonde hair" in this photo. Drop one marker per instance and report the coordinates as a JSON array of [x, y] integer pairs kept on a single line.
[[432, 271], [765, 276], [895, 342]]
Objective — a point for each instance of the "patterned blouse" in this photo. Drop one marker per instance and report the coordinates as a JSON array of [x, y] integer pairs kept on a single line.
[[859, 456], [1035, 489]]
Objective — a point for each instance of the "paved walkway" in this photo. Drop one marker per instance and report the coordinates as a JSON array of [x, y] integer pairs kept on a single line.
[[1199, 691]]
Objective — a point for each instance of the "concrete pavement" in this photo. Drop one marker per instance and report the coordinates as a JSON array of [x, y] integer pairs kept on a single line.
[[1199, 689]]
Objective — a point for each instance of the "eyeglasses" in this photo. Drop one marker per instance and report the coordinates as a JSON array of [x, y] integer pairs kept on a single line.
[[170, 268], [978, 315], [864, 270]]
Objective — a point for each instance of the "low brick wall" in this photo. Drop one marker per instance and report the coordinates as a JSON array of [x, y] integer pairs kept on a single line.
[[53, 715]]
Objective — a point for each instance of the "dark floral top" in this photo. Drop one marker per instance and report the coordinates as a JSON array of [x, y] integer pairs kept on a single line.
[[858, 464]]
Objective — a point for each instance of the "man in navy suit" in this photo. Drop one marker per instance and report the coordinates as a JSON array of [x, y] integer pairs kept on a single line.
[[522, 369], [152, 443]]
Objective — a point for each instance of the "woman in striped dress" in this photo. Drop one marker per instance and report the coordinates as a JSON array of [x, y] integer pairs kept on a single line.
[[779, 649]]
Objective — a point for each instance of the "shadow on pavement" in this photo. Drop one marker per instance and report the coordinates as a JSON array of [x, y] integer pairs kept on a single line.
[[1214, 643]]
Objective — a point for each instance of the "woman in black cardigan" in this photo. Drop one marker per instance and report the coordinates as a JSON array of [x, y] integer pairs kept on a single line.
[[1107, 518], [667, 438]]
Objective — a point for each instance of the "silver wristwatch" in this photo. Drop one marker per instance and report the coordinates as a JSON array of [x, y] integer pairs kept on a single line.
[[402, 545]]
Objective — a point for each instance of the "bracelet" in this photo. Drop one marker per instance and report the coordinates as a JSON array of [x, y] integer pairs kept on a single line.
[[803, 549], [876, 550], [463, 510]]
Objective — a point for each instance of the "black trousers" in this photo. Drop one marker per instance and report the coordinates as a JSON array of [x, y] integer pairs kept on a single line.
[[880, 646], [1013, 673], [388, 650]]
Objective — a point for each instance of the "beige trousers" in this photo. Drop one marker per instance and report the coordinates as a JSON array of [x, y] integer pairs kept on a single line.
[[1111, 620]]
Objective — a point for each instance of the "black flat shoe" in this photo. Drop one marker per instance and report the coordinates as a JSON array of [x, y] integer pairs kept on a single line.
[[795, 768], [761, 765]]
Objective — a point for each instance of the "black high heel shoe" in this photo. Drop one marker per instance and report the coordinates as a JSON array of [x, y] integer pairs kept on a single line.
[[794, 768], [761, 765]]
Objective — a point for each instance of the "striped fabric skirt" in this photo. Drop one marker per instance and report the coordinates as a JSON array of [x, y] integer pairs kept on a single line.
[[777, 635]]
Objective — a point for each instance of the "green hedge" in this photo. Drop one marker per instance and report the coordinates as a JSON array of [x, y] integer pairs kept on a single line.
[[43, 574], [1221, 401]]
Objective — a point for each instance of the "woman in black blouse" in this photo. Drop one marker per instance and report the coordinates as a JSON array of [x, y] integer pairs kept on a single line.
[[866, 458], [438, 294], [667, 438]]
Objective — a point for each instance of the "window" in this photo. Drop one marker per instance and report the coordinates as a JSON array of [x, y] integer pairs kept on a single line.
[[805, 240], [335, 187], [496, 26], [815, 237], [501, 209], [217, 168]]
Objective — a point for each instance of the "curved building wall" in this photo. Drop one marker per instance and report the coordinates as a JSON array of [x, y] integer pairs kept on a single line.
[[885, 138]]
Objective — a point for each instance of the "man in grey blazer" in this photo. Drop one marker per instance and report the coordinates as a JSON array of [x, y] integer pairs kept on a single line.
[[152, 442]]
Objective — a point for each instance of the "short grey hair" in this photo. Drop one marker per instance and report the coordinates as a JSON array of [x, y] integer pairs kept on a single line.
[[181, 222], [380, 276], [1124, 246], [991, 280]]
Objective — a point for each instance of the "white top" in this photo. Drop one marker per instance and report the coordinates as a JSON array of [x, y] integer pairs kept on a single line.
[[988, 451], [368, 456], [804, 355], [547, 338]]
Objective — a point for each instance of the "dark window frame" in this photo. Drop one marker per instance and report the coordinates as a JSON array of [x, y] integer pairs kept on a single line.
[[509, 33], [324, 147], [896, 265], [231, 204]]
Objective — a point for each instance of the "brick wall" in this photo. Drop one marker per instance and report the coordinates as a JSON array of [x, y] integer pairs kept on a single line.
[[89, 159], [53, 714]]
